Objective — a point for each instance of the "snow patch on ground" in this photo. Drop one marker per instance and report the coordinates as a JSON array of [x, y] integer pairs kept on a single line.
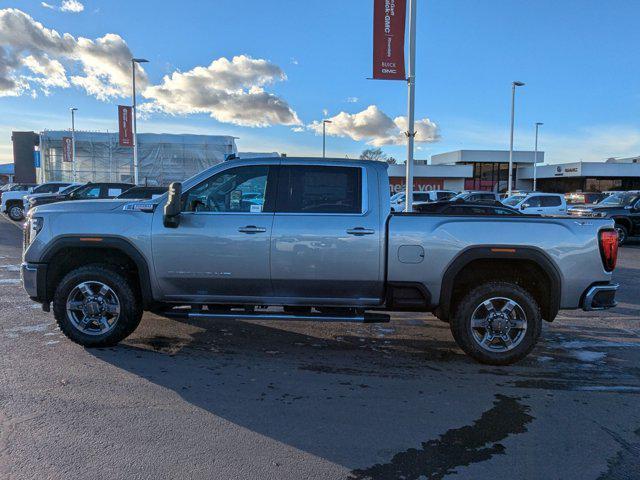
[[578, 344], [544, 359], [10, 268], [609, 388], [41, 327], [9, 281], [588, 355]]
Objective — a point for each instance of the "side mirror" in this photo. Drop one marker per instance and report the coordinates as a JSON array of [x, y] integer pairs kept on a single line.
[[172, 208]]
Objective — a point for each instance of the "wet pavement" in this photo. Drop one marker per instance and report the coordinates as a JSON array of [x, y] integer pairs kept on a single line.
[[291, 400]]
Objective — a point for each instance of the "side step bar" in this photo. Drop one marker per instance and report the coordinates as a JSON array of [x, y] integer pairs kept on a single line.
[[312, 317]]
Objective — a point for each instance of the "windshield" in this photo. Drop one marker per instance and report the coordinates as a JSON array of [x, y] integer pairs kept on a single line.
[[619, 200], [514, 200], [6, 187]]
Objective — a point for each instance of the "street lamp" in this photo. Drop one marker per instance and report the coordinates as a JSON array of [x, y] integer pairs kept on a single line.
[[324, 124], [535, 159], [73, 143], [513, 100], [135, 130]]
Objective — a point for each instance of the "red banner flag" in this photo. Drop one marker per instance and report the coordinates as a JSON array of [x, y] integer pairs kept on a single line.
[[125, 126], [388, 39], [67, 149]]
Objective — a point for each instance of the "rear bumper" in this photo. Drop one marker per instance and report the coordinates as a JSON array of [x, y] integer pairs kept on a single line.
[[600, 297]]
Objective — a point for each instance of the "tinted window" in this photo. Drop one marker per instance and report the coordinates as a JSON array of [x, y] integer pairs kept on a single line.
[[532, 202], [319, 189], [461, 210], [503, 211], [443, 195], [551, 201], [420, 197], [241, 189], [90, 191]]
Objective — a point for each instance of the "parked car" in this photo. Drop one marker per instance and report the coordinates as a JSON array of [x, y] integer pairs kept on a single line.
[[583, 198], [11, 199], [143, 193], [425, 196], [62, 189], [88, 191], [476, 196], [323, 246], [623, 208], [465, 208], [538, 203]]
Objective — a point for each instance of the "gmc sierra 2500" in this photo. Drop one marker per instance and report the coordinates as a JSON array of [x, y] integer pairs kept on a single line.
[[316, 238]]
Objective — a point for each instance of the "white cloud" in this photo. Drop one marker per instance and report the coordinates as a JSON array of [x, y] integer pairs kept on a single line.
[[352, 99], [376, 127], [34, 59], [230, 91], [104, 62], [72, 6]]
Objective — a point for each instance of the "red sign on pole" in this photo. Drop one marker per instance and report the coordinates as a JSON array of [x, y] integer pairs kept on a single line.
[[67, 149], [125, 126], [388, 39]]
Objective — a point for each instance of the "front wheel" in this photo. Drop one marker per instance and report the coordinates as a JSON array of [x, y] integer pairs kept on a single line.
[[15, 213], [95, 306], [497, 323]]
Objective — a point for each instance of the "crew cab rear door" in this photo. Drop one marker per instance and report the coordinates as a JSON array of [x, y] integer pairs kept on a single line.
[[326, 239]]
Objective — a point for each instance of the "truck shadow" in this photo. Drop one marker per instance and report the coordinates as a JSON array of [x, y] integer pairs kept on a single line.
[[357, 398]]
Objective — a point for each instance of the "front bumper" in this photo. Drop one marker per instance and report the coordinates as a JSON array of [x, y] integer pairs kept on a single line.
[[600, 297], [33, 277]]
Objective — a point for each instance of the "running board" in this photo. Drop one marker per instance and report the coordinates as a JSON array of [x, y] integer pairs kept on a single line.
[[312, 317]]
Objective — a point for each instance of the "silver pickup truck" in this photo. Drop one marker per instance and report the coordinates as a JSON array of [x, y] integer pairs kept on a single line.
[[309, 239]]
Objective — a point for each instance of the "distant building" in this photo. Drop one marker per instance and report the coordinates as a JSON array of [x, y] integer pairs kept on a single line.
[[162, 158]]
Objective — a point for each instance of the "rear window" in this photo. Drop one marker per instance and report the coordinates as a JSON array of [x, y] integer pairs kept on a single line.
[[319, 189], [421, 197], [550, 201]]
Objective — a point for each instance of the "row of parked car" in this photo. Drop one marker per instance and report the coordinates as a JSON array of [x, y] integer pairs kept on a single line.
[[17, 198], [622, 207]]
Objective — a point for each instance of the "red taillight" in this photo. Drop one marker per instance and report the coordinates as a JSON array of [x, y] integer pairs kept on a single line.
[[609, 249]]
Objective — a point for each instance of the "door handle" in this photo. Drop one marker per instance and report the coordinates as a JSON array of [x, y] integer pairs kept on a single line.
[[360, 231], [252, 229]]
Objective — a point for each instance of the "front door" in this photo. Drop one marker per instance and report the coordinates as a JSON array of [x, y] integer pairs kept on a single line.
[[326, 241], [220, 250]]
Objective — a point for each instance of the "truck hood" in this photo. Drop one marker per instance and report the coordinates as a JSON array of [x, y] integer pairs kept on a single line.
[[83, 206]]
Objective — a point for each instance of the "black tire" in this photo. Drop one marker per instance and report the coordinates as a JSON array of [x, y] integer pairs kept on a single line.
[[623, 233], [460, 322], [15, 212], [130, 307]]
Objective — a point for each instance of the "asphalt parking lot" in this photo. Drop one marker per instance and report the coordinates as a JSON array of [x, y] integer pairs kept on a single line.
[[290, 400]]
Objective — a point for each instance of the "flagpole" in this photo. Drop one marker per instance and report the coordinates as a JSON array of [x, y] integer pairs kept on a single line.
[[411, 81]]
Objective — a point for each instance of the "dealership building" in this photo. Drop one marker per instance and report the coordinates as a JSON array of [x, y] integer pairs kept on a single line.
[[489, 170]]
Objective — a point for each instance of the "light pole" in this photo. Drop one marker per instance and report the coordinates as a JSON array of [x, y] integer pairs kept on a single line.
[[135, 130], [535, 159], [324, 124], [73, 143], [411, 97], [513, 101]]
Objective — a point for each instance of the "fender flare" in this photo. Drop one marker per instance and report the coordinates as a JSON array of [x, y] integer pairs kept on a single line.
[[110, 242], [501, 252]]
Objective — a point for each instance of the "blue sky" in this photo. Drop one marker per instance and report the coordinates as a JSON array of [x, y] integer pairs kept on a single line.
[[578, 59]]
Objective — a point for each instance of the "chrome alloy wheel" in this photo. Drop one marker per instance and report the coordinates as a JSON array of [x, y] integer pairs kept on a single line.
[[498, 324], [622, 234], [93, 308]]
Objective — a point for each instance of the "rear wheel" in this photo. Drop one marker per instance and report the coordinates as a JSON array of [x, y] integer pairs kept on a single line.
[[95, 306], [497, 323], [623, 233], [15, 212]]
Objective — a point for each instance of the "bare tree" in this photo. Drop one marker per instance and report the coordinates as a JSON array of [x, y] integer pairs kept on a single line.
[[373, 154]]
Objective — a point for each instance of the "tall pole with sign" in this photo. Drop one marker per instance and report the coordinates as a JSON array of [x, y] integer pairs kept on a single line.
[[513, 109], [135, 115], [411, 133]]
